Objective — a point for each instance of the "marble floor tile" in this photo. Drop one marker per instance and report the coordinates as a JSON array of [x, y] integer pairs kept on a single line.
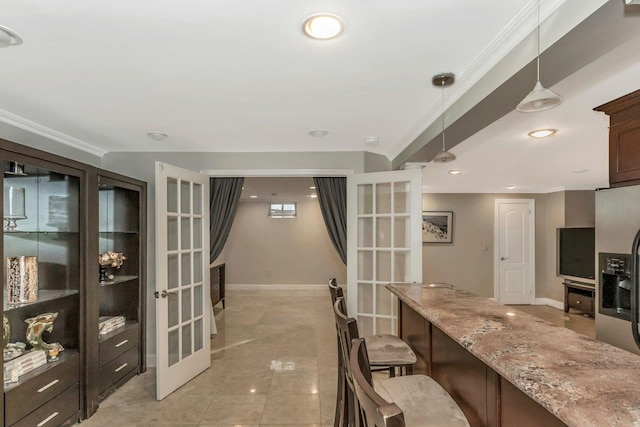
[[291, 409]]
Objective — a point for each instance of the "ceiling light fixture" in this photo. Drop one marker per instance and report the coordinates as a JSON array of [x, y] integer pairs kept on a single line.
[[318, 133], [9, 37], [542, 133], [539, 98], [510, 187], [455, 172], [157, 135], [253, 197], [323, 26], [372, 140], [312, 188], [442, 80]]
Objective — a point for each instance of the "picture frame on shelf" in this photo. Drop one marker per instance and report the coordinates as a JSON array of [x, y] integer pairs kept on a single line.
[[437, 226]]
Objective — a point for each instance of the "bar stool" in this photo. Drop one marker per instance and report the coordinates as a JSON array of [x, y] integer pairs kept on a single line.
[[396, 354], [411, 401]]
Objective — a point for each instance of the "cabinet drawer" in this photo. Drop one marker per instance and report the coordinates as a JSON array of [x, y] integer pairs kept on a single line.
[[55, 412], [40, 389], [580, 302], [118, 344], [117, 369]]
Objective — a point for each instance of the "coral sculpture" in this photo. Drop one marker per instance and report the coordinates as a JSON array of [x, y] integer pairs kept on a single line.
[[39, 325]]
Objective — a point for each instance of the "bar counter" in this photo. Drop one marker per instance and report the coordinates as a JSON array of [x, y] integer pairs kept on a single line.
[[505, 367]]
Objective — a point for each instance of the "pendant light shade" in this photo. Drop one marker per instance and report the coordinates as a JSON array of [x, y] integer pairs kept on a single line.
[[442, 80], [540, 98]]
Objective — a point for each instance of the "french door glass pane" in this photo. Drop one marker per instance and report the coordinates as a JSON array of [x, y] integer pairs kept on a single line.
[[197, 300], [174, 310], [383, 232], [173, 271], [197, 267], [384, 325], [383, 266], [401, 197], [172, 195], [197, 199], [172, 234], [185, 197], [197, 233], [174, 346], [185, 233], [365, 199], [383, 198], [401, 232], [365, 298], [365, 325], [198, 335], [185, 273], [186, 304], [186, 340], [365, 232], [383, 300], [365, 265], [402, 262]]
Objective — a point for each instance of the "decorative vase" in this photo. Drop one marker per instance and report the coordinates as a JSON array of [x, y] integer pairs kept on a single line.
[[22, 279], [13, 206]]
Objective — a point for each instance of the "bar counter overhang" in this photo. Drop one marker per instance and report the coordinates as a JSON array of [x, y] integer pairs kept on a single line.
[[505, 367]]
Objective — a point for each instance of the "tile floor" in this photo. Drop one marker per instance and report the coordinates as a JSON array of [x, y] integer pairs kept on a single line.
[[273, 363]]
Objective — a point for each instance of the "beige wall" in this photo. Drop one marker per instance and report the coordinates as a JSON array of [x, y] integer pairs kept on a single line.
[[263, 250], [468, 262]]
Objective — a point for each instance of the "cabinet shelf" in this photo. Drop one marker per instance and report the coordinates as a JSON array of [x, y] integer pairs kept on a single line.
[[118, 279], [43, 296], [62, 357], [103, 232]]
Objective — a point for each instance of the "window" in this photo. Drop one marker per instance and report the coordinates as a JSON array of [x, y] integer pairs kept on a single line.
[[282, 210]]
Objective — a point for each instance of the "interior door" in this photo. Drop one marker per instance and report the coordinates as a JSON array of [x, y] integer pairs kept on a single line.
[[182, 285], [384, 235], [514, 257]]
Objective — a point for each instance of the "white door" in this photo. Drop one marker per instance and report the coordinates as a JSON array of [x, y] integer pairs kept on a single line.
[[514, 257], [182, 285], [384, 241]]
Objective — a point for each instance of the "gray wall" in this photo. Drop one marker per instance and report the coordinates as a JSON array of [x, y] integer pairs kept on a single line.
[[467, 264], [263, 250]]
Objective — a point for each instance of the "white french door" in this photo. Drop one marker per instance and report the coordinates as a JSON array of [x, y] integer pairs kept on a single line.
[[384, 235], [182, 282]]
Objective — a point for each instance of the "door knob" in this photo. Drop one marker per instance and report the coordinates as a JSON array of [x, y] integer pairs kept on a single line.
[[503, 258], [164, 293]]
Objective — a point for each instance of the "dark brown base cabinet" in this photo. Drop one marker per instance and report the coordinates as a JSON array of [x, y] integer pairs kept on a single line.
[[72, 212]]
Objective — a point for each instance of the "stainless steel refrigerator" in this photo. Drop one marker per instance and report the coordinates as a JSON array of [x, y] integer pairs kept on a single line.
[[617, 223]]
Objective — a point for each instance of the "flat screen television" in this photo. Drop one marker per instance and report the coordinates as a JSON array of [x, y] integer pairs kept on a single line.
[[577, 252]]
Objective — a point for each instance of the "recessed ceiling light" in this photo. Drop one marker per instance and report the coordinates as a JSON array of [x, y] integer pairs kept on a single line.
[[253, 197], [318, 133], [511, 187], [157, 135], [312, 188], [455, 172], [323, 26], [313, 196], [9, 37], [542, 133]]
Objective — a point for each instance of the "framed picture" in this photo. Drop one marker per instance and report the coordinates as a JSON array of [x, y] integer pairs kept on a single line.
[[437, 227]]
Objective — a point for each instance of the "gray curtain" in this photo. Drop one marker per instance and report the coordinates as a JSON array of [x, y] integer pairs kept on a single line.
[[224, 194], [332, 195]]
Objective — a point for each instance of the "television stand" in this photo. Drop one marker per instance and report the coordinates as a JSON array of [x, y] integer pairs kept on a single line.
[[579, 296]]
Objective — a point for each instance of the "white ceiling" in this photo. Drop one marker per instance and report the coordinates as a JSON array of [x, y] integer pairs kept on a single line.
[[241, 77]]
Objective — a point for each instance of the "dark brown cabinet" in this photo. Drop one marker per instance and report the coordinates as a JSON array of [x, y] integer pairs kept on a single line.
[[579, 297], [58, 215], [624, 139], [217, 284]]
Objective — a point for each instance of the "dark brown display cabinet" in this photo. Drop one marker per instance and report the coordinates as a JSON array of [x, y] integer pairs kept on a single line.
[[43, 269], [60, 219], [116, 350]]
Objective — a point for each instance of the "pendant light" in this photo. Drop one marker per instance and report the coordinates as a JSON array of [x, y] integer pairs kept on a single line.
[[540, 98], [442, 80]]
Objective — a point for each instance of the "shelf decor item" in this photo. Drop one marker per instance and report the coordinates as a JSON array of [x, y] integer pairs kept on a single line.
[[39, 325], [109, 259], [22, 279], [13, 206]]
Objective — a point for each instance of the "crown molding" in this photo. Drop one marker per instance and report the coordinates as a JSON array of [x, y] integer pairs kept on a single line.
[[38, 129], [277, 172]]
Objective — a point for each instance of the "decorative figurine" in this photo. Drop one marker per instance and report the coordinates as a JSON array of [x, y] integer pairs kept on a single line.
[[6, 336], [109, 259], [10, 350], [37, 326]]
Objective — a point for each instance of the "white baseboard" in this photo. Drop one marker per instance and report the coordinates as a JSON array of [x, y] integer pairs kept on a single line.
[[151, 360], [550, 302], [274, 287]]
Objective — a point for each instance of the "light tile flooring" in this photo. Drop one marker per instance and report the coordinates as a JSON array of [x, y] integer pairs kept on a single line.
[[273, 363]]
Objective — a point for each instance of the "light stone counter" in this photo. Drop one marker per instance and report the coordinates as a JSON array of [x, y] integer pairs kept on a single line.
[[581, 381]]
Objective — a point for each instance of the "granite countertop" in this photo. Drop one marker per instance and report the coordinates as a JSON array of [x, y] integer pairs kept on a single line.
[[581, 381]]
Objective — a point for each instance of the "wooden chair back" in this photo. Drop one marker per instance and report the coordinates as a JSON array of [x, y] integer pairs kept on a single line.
[[335, 290], [375, 411]]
